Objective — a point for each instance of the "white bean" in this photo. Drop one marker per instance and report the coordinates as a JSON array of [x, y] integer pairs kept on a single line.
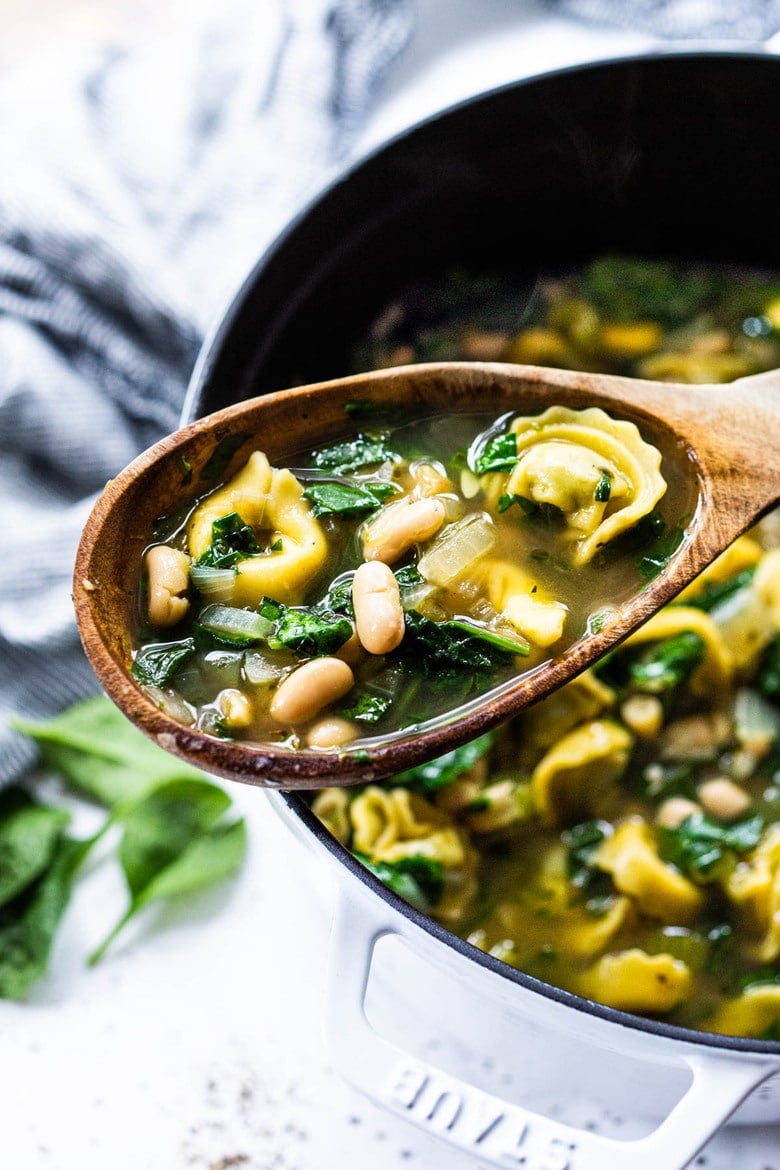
[[401, 525], [235, 707], [168, 572], [379, 616], [675, 810], [722, 798], [331, 732], [309, 688]]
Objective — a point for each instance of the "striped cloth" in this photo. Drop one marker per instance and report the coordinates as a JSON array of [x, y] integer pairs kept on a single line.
[[137, 185]]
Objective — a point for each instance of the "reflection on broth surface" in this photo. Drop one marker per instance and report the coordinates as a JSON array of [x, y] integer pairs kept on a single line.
[[621, 839]]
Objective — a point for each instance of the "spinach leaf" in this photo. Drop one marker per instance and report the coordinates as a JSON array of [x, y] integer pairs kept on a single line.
[[29, 837], [498, 454], [101, 752], [232, 539], [419, 880], [768, 672], [705, 849], [29, 922], [438, 773], [173, 841], [716, 592], [526, 506], [666, 665], [341, 499], [582, 842], [307, 632], [338, 599], [457, 643], [362, 451], [156, 664], [367, 706]]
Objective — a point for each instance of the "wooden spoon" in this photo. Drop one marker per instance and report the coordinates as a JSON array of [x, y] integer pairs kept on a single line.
[[726, 437]]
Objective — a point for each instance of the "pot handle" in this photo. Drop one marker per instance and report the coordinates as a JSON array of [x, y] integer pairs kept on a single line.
[[497, 1132]]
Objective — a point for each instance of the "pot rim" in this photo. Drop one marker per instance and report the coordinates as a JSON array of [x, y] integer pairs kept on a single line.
[[324, 839], [212, 348]]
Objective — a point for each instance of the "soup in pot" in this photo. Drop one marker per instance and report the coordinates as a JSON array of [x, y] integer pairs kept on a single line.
[[620, 839]]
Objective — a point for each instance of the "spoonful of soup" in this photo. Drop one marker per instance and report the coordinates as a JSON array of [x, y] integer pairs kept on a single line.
[[332, 584]]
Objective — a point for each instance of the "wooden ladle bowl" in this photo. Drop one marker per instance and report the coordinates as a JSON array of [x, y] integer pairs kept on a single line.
[[725, 438]]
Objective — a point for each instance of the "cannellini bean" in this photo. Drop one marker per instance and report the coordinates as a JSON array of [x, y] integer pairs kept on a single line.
[[379, 616], [309, 688], [644, 714], [168, 572], [401, 525], [235, 707], [331, 732], [722, 798], [675, 810]]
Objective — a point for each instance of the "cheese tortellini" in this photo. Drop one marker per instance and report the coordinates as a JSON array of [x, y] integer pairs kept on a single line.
[[596, 470]]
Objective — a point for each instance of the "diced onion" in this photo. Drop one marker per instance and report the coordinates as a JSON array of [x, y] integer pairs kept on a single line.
[[262, 671], [757, 721], [458, 547], [235, 625], [213, 584]]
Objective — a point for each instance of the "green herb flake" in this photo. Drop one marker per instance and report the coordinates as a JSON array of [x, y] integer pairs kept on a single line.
[[603, 487]]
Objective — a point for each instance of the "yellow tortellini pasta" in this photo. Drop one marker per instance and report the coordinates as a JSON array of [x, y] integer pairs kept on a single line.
[[660, 891], [633, 981], [271, 500], [575, 778], [754, 887], [598, 471]]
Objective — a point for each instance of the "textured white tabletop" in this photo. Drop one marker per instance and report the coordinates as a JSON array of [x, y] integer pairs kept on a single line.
[[196, 1044]]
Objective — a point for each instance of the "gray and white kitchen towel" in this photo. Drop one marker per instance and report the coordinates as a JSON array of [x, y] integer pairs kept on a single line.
[[136, 186]]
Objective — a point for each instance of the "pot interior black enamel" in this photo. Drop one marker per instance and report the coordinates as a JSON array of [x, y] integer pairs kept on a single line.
[[663, 155]]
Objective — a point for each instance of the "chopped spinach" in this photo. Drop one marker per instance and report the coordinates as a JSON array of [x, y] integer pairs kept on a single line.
[[716, 592], [704, 849], [498, 454], [582, 842], [367, 706], [418, 879], [768, 673], [347, 500], [430, 777], [362, 451], [232, 539], [663, 666], [155, 664], [457, 643], [308, 632]]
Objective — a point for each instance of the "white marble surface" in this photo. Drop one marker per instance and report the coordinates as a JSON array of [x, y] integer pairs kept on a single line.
[[196, 1044]]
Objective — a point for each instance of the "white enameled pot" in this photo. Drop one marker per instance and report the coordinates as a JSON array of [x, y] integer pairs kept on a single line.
[[504, 1067]]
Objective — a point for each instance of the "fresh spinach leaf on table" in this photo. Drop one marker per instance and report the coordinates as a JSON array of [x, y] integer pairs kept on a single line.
[[176, 834]]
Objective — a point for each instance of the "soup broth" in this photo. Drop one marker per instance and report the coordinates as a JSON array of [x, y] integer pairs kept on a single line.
[[498, 542]]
